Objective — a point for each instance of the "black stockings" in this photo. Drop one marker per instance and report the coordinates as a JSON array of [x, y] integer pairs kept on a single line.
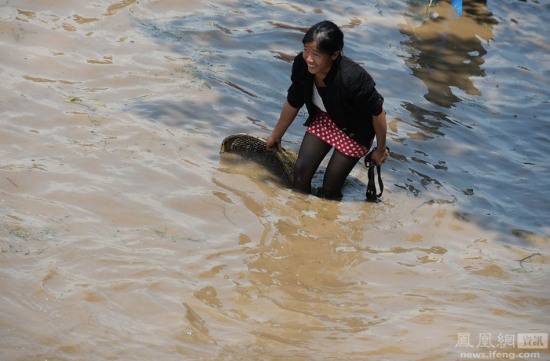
[[312, 152]]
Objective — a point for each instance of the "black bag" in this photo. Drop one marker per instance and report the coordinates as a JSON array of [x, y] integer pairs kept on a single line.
[[372, 196]]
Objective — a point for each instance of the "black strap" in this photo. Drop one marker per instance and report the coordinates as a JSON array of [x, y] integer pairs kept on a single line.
[[372, 196]]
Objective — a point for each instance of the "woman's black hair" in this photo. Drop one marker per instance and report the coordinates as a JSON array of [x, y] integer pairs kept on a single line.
[[327, 35]]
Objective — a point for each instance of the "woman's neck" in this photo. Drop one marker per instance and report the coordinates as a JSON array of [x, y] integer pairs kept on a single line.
[[319, 80]]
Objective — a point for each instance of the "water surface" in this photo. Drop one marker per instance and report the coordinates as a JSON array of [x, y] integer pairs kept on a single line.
[[123, 236]]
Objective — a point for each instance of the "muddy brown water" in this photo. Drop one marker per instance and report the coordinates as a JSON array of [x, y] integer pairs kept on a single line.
[[124, 237]]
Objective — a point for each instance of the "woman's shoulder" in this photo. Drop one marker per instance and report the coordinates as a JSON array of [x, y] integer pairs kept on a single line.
[[354, 78], [299, 60], [351, 71], [350, 66], [299, 66]]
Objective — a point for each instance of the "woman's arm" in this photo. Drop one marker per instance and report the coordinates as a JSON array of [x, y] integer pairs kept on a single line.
[[288, 114], [379, 123]]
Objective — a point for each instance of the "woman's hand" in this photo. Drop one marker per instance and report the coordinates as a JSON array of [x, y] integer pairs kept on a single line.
[[380, 155], [274, 142]]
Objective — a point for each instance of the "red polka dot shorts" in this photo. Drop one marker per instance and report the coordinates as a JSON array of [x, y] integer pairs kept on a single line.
[[324, 128]]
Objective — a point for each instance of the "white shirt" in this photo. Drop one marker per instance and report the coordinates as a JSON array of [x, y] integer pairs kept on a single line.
[[317, 99]]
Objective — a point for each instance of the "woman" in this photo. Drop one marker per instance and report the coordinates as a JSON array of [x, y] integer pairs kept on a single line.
[[345, 111]]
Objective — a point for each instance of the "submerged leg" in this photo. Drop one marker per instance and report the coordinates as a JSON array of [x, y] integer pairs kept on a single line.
[[338, 169], [311, 154]]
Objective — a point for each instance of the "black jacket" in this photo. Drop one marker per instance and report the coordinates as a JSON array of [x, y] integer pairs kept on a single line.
[[350, 96]]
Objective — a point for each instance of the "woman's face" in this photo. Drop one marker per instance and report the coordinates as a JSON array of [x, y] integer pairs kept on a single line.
[[318, 63]]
